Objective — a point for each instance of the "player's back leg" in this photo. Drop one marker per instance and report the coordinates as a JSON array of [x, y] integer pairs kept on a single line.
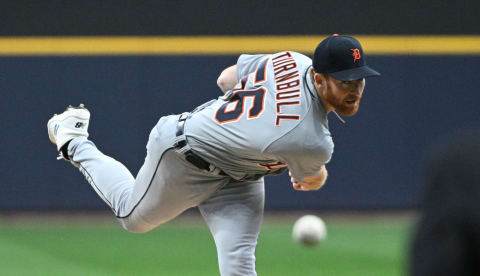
[[165, 186]]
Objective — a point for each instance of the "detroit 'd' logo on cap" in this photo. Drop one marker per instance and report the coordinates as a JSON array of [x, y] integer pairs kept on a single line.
[[356, 54]]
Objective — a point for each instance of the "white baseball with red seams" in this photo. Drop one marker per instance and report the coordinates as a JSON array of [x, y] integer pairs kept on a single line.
[[309, 230]]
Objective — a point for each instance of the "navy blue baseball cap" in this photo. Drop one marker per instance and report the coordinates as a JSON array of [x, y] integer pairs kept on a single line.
[[342, 57]]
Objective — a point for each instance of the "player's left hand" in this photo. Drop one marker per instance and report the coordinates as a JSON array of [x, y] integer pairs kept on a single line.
[[311, 183]]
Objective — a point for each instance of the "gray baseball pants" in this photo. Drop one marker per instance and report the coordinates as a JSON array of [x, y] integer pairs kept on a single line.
[[167, 185]]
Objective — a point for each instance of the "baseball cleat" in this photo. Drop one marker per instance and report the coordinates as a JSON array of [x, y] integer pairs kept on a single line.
[[72, 123]]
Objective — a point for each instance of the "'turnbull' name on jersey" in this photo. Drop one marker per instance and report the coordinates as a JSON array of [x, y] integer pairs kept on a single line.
[[273, 118]]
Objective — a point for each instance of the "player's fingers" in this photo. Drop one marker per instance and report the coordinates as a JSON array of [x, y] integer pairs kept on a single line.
[[310, 187], [304, 188]]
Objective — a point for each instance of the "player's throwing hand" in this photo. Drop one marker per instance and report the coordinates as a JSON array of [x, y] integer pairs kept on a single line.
[[310, 183]]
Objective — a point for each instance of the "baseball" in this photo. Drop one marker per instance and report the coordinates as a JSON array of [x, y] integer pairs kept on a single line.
[[309, 230]]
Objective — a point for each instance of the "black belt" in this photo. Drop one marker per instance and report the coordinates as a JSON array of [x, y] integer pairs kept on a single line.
[[190, 156]]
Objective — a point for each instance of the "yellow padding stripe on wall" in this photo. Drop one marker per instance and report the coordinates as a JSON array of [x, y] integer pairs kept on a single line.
[[230, 45]]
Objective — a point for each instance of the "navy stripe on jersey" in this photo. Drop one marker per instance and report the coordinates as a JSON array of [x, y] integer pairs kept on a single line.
[[261, 74], [243, 83]]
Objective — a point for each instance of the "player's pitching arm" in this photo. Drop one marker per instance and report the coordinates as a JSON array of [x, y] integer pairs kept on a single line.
[[228, 78], [311, 183]]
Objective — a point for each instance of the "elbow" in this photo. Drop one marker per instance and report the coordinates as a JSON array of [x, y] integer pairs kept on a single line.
[[225, 82], [227, 79], [221, 82]]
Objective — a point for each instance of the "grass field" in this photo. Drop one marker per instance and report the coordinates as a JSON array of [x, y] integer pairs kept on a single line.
[[184, 247]]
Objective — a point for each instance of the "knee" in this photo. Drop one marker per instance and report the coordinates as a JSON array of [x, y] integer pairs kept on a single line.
[[135, 226], [142, 223]]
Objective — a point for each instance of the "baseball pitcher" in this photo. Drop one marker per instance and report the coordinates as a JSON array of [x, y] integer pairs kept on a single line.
[[271, 117]]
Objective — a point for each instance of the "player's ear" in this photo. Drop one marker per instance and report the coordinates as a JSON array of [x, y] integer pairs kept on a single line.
[[320, 81]]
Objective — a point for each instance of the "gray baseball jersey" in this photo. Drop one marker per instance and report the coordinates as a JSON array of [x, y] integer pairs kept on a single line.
[[272, 119]]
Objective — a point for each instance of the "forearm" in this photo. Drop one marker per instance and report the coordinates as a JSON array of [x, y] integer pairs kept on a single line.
[[228, 78]]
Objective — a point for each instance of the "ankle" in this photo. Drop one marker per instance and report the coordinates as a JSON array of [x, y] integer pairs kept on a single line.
[[64, 150]]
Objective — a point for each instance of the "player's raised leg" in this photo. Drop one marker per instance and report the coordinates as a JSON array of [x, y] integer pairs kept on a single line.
[[165, 186], [112, 181], [234, 215]]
